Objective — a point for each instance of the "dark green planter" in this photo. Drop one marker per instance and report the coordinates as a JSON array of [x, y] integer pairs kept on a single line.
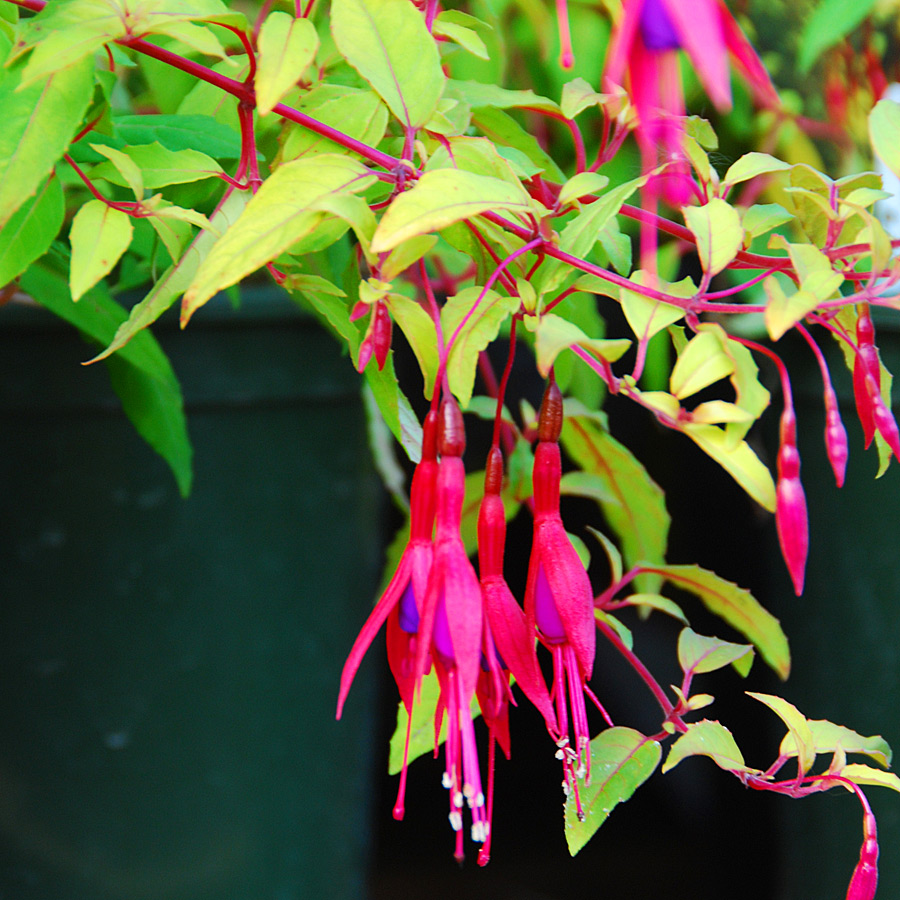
[[844, 634], [169, 668]]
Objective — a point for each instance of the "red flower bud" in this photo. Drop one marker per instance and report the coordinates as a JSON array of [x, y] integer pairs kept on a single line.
[[865, 875], [791, 519]]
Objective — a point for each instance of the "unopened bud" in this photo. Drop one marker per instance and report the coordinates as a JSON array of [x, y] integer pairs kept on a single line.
[[550, 419], [452, 437]]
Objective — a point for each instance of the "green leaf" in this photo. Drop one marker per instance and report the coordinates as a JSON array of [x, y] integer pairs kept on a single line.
[[736, 606], [763, 217], [127, 169], [454, 25], [100, 235], [698, 654], [418, 327], [180, 132], [658, 602], [504, 130], [717, 228], [783, 312], [884, 133], [555, 334], [142, 374], [174, 282], [395, 408], [645, 315], [387, 42], [622, 759], [158, 166], [585, 484], [860, 774], [580, 185], [828, 737], [421, 739], [798, 728], [31, 229], [638, 513], [831, 21], [480, 329], [707, 738], [478, 94], [287, 46], [701, 363], [38, 123], [442, 197], [577, 96], [752, 165], [737, 458], [276, 217], [406, 254]]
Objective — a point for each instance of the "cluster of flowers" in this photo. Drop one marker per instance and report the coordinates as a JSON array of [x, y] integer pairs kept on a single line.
[[439, 612]]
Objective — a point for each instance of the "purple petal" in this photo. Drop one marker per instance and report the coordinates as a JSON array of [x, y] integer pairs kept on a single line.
[[545, 613], [657, 28], [409, 611]]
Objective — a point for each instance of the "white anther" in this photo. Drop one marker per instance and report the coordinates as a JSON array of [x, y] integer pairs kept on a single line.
[[447, 781], [455, 821], [458, 800], [479, 832]]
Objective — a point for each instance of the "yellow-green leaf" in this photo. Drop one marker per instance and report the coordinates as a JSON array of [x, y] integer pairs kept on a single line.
[[100, 235], [828, 737], [798, 728], [622, 759], [783, 311], [702, 363], [738, 459], [128, 172], [581, 184], [555, 334], [751, 165], [736, 606], [717, 228], [647, 316], [707, 738], [861, 774], [884, 133], [287, 46], [155, 166], [387, 42], [439, 199], [276, 217], [698, 653]]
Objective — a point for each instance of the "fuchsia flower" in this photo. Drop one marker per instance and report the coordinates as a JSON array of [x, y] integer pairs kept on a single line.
[[453, 616], [643, 57], [401, 602], [559, 601]]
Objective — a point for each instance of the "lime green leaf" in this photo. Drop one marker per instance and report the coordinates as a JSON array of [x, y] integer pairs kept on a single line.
[[716, 412], [478, 94], [622, 631], [707, 738], [358, 114], [276, 217], [717, 228], [750, 395], [737, 459], [439, 199], [287, 46], [828, 737], [141, 375], [38, 123], [698, 654], [419, 330], [738, 608], [831, 20], [585, 484], [763, 217], [555, 334], [798, 727], [421, 739], [884, 133], [577, 96], [479, 330], [157, 166], [406, 254], [125, 166], [505, 131], [860, 774], [99, 236], [387, 42], [638, 514], [647, 316], [395, 408], [622, 759], [751, 165], [454, 25], [31, 229], [581, 184], [783, 312], [174, 282], [702, 363], [658, 602]]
